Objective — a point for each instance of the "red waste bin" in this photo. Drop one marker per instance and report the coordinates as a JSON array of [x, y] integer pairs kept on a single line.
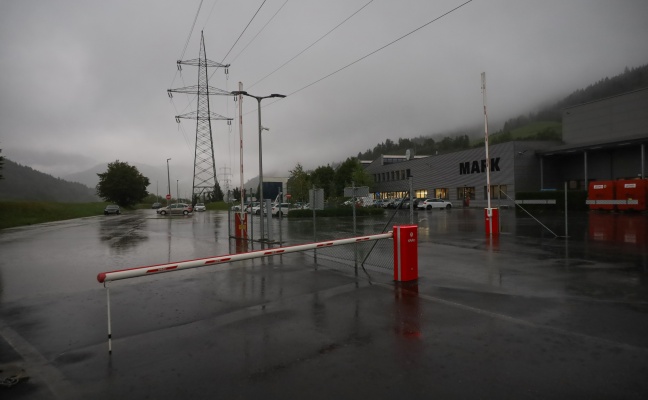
[[405, 253]]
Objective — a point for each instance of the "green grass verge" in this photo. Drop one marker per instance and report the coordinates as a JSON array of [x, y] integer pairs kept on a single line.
[[20, 213]]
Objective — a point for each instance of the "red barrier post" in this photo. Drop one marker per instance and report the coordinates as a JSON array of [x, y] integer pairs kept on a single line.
[[405, 253], [491, 219]]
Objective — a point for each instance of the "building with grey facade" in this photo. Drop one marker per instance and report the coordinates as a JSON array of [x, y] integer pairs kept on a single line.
[[602, 140]]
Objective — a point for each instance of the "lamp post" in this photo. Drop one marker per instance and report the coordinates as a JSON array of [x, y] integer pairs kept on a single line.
[[168, 182], [258, 99], [177, 191]]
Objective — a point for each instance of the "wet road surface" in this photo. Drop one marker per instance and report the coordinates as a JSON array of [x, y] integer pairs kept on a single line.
[[527, 315]]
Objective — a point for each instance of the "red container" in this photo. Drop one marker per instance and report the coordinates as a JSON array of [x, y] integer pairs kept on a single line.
[[635, 189], [405, 253], [601, 190]]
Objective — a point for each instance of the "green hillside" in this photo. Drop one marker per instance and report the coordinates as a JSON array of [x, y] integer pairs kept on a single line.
[[24, 183]]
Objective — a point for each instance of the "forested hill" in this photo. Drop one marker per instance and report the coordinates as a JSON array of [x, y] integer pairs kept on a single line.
[[629, 80], [542, 125], [24, 183]]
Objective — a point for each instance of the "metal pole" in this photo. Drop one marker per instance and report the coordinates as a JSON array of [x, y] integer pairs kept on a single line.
[[280, 218], [260, 172], [177, 191], [168, 181], [411, 194], [566, 223], [229, 215], [109, 323], [355, 247], [643, 161], [241, 190], [488, 185], [314, 226]]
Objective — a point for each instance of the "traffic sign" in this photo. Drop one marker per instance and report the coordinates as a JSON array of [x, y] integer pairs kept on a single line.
[[168, 197]]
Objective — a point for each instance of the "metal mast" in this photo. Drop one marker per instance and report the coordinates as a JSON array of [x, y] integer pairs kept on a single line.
[[204, 179]]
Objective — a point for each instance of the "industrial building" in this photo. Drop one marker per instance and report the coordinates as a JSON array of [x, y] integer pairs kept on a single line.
[[602, 140]]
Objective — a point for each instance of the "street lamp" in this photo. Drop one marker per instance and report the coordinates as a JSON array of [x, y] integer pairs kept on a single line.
[[168, 182], [259, 98]]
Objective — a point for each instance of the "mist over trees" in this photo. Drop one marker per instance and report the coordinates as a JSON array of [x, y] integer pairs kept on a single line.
[[24, 183], [629, 80]]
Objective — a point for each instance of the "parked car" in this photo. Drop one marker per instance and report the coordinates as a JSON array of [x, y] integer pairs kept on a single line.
[[177, 208], [156, 205], [256, 209], [111, 209], [379, 203], [395, 203], [277, 210], [388, 203], [429, 204], [200, 207]]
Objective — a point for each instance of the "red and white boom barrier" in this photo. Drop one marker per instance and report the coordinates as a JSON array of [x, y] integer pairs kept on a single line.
[[405, 260], [204, 262]]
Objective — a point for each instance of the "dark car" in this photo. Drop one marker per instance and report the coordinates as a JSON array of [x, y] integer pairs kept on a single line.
[[111, 209], [155, 206]]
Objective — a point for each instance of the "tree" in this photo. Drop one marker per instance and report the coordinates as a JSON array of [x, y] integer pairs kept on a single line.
[[299, 183], [361, 177], [344, 175], [122, 184], [215, 195], [1, 164], [324, 177]]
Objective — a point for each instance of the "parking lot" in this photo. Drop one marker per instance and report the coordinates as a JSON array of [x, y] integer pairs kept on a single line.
[[525, 314]]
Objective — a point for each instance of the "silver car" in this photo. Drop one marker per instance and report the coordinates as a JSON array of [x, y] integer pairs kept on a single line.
[[177, 208]]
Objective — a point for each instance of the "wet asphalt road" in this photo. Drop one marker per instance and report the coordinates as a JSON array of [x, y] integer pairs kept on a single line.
[[525, 316]]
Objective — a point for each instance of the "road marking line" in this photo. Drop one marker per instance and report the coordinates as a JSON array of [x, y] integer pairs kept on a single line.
[[37, 366]]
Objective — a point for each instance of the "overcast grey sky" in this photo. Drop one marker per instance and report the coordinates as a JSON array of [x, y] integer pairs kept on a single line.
[[84, 82]]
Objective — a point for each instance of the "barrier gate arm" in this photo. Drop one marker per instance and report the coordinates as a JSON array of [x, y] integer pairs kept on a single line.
[[204, 262], [106, 277]]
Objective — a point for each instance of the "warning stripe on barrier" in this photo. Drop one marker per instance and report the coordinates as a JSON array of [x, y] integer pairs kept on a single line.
[[202, 262], [541, 201], [612, 202]]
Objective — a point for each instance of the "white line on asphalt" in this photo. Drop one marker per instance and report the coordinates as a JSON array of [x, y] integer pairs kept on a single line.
[[37, 366]]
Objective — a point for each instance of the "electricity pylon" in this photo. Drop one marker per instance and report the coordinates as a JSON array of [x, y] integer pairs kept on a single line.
[[204, 179]]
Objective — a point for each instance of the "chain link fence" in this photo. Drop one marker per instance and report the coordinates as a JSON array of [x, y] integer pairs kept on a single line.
[[375, 256]]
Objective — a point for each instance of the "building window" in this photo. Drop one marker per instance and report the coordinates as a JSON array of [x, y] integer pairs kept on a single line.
[[442, 193], [497, 192], [466, 192], [421, 194]]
